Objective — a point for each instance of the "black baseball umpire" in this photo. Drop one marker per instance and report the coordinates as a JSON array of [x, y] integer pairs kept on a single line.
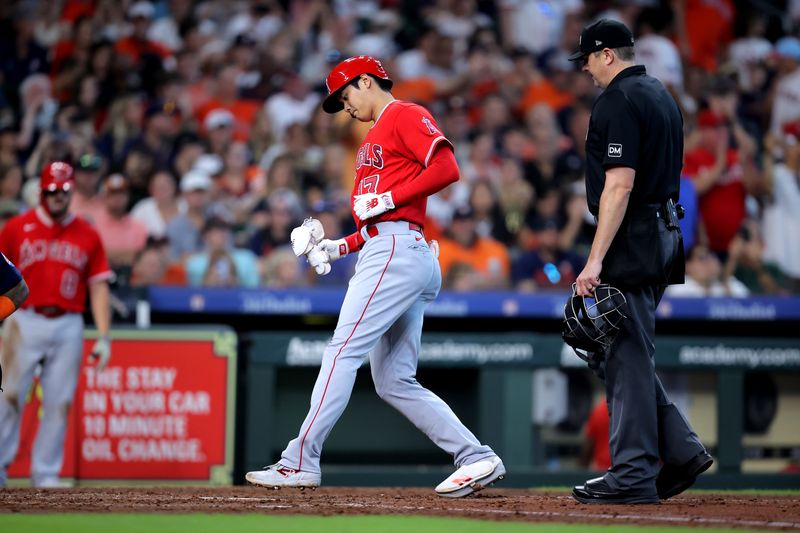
[[634, 152]]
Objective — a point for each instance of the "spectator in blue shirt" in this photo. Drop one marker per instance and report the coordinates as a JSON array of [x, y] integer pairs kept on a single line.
[[220, 264], [688, 199], [547, 266]]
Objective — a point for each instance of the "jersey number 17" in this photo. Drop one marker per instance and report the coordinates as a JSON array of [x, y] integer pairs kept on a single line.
[[369, 184]]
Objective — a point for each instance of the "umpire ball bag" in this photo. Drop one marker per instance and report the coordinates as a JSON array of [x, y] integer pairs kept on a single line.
[[591, 323]]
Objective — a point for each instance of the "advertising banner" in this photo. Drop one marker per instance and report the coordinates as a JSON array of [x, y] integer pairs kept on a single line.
[[545, 304], [163, 409]]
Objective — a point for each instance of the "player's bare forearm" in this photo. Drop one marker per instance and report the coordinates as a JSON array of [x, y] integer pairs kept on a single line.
[[99, 300], [613, 204], [18, 293]]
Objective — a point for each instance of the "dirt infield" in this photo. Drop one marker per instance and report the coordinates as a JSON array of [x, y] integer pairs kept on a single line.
[[770, 513]]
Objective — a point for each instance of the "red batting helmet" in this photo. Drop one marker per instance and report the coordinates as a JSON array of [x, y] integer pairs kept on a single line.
[[347, 71], [56, 176]]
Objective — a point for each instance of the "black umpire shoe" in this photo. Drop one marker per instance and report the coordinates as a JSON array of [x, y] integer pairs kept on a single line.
[[674, 479], [598, 491]]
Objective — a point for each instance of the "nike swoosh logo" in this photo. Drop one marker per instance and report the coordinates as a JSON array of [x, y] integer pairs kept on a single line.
[[28, 227]]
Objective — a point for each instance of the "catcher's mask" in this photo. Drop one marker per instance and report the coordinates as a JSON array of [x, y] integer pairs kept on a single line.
[[591, 323]]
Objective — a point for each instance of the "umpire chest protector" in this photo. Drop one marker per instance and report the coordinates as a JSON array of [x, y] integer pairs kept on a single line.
[[636, 123]]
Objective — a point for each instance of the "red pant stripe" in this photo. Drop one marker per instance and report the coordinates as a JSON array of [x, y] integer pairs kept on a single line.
[[333, 366]]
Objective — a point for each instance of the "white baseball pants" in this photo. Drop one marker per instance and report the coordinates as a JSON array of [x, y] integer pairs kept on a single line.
[[57, 343], [396, 277]]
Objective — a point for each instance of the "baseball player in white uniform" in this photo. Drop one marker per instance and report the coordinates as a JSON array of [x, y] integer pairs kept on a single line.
[[404, 159]]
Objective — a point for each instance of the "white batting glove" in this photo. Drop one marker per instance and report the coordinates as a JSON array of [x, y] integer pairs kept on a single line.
[[334, 249], [101, 352], [305, 236], [319, 260], [371, 204], [315, 227]]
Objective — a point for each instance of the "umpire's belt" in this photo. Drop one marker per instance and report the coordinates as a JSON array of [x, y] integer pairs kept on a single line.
[[670, 212], [50, 311], [389, 228]]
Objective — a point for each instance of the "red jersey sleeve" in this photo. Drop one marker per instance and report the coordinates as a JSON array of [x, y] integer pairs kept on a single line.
[[354, 242], [441, 172], [419, 134]]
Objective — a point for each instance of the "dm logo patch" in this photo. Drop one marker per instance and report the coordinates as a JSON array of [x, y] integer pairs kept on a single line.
[[614, 150]]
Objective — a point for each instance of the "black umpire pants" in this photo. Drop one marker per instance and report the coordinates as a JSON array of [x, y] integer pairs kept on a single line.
[[645, 426]]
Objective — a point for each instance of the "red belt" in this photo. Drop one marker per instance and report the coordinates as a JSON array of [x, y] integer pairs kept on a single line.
[[372, 231], [50, 311]]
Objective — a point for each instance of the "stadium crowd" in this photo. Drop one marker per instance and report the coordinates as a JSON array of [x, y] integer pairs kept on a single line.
[[198, 140]]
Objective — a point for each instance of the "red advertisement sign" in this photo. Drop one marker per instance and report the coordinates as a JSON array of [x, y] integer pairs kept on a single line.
[[160, 410]]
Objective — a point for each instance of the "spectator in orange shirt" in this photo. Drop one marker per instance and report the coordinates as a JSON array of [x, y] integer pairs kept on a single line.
[[137, 44], [594, 451], [152, 266], [226, 97], [463, 244], [553, 87]]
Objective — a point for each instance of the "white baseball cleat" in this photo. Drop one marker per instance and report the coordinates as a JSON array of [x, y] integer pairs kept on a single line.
[[277, 476], [472, 478]]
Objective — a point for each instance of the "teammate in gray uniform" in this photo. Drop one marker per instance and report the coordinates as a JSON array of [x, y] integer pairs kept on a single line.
[[61, 257], [403, 160]]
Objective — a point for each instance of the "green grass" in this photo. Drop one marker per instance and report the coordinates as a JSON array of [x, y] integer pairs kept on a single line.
[[205, 523]]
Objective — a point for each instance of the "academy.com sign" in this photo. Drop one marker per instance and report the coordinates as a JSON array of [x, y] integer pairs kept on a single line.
[[476, 352], [302, 352], [751, 357]]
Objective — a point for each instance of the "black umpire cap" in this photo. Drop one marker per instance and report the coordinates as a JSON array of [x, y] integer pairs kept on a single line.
[[604, 33]]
